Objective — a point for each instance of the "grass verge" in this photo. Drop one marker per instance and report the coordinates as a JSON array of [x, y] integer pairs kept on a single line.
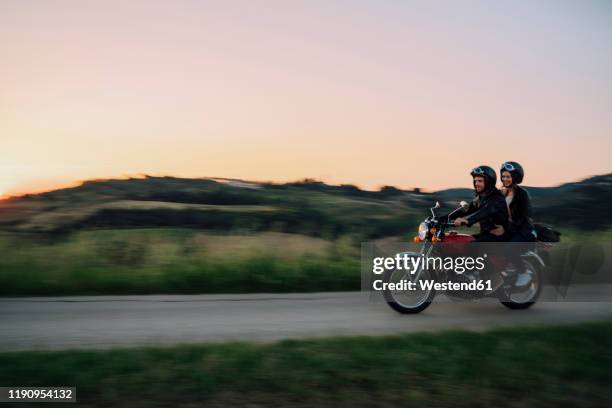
[[521, 367], [175, 261]]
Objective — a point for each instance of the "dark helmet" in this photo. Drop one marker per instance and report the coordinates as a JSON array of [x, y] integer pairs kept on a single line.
[[488, 173], [515, 169]]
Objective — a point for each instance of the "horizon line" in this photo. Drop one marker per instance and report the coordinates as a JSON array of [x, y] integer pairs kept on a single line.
[[81, 182]]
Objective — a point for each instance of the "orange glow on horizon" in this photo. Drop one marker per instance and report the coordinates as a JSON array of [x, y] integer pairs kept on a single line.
[[376, 94], [38, 188]]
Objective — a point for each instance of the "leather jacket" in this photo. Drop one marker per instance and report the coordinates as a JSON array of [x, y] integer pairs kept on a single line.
[[520, 213], [489, 209]]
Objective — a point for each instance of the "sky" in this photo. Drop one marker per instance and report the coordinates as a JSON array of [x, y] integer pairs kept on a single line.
[[372, 93]]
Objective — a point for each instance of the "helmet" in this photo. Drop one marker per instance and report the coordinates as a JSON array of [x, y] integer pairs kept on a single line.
[[488, 173], [515, 169]]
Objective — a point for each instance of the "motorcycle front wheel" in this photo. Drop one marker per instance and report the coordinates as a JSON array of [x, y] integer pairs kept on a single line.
[[407, 301]]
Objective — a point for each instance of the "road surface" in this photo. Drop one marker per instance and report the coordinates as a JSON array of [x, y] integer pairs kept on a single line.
[[110, 321]]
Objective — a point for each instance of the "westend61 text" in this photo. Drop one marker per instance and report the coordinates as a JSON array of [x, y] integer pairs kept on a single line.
[[479, 285]]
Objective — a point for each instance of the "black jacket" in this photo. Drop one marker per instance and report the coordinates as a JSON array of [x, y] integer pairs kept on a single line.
[[520, 212], [489, 209]]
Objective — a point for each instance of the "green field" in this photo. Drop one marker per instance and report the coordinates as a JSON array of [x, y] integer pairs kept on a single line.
[[525, 367], [173, 235], [175, 261]]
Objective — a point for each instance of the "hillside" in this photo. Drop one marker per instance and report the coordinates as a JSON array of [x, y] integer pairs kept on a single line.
[[308, 207]]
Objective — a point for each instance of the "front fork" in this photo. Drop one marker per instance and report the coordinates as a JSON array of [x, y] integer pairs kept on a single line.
[[425, 250]]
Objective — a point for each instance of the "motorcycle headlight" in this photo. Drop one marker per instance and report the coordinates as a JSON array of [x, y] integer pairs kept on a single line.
[[423, 231]]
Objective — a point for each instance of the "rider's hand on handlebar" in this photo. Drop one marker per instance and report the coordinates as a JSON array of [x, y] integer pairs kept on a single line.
[[459, 222]]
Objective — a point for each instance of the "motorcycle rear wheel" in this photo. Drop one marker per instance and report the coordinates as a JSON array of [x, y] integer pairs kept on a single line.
[[520, 300]]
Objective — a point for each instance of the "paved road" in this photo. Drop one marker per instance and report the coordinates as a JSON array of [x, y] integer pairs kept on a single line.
[[107, 321]]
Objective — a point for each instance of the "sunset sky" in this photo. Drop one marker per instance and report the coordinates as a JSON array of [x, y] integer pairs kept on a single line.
[[406, 93]]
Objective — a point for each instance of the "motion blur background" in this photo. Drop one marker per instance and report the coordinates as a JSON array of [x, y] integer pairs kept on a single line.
[[346, 120], [209, 147]]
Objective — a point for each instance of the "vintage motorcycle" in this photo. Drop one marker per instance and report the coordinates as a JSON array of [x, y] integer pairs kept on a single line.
[[521, 294]]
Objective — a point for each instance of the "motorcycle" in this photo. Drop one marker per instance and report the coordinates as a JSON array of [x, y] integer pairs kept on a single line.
[[521, 294]]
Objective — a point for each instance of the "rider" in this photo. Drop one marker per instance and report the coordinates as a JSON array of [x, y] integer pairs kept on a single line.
[[488, 207], [520, 227]]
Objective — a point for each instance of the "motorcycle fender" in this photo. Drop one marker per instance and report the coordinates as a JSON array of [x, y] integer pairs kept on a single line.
[[532, 254], [409, 254]]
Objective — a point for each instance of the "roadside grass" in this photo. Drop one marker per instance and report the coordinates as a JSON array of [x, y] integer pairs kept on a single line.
[[142, 261], [562, 366], [577, 235], [176, 260]]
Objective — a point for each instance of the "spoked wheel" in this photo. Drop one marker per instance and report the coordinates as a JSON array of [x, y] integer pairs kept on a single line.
[[527, 290], [407, 301]]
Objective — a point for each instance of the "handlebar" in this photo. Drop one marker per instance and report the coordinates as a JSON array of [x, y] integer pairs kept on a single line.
[[450, 224]]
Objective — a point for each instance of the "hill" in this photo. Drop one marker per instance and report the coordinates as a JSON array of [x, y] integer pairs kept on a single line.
[[308, 206]]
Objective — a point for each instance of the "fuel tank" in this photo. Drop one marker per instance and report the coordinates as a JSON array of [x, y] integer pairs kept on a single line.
[[455, 237], [455, 243]]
